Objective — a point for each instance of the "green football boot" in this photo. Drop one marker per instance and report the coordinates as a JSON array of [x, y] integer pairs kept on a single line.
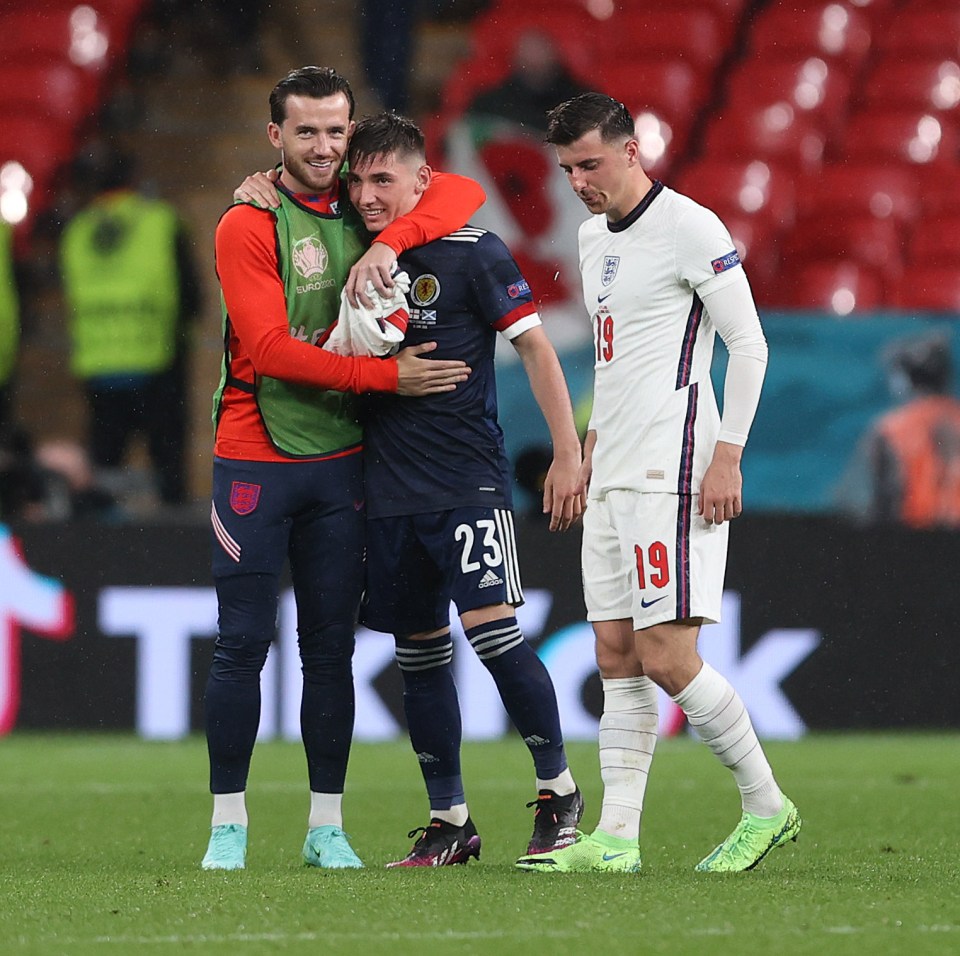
[[753, 838], [597, 853]]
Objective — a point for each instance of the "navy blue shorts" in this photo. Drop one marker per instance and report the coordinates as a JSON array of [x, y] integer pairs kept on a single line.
[[311, 513], [418, 564]]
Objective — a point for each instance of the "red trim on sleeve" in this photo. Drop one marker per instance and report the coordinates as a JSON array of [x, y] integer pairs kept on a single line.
[[515, 315], [399, 318]]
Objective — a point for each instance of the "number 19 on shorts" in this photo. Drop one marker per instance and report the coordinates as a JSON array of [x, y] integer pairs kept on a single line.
[[652, 565]]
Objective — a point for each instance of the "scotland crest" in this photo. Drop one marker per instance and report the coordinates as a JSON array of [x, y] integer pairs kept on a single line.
[[425, 289], [610, 266], [244, 497]]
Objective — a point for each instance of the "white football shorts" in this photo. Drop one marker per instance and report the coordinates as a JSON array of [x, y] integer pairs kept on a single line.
[[652, 558]]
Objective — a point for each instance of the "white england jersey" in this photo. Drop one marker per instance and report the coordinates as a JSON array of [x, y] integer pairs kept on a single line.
[[654, 409]]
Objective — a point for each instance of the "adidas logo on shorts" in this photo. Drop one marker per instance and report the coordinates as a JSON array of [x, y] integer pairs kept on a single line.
[[489, 580]]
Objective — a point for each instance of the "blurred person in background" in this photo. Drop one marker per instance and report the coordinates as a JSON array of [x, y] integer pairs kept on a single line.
[[287, 481], [387, 32], [660, 277], [538, 80], [132, 291], [906, 468]]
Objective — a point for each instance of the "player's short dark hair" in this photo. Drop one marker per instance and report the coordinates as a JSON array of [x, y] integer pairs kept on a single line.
[[317, 82], [588, 111], [383, 134]]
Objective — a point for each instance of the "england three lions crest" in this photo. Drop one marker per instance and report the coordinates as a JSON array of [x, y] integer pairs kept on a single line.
[[244, 497], [610, 266]]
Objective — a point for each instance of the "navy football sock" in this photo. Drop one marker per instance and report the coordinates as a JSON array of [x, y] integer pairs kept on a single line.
[[432, 709], [526, 691]]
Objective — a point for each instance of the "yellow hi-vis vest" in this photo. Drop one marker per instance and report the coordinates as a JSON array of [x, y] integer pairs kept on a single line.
[[118, 259], [9, 306]]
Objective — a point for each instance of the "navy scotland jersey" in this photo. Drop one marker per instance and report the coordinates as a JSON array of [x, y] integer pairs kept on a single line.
[[446, 451]]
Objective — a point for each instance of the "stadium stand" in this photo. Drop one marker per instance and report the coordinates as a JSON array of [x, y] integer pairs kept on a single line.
[[809, 84], [934, 288], [55, 62], [835, 287], [779, 114], [920, 83]]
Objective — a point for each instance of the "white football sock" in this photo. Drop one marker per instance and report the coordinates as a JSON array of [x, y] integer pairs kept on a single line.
[[628, 735], [325, 810], [229, 808], [457, 814], [717, 715], [562, 786]]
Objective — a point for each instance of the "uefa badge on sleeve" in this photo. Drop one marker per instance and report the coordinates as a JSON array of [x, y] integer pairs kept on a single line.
[[244, 497]]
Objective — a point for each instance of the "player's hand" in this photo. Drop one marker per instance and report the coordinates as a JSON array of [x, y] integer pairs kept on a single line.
[[259, 189], [375, 265], [422, 376], [564, 497], [721, 490]]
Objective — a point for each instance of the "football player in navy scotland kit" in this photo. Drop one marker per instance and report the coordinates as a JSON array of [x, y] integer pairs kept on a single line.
[[660, 277], [439, 518]]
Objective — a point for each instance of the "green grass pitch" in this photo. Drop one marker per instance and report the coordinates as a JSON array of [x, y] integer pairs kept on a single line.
[[101, 838]]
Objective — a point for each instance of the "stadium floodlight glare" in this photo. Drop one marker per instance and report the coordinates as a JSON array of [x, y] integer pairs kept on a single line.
[[88, 43], [15, 186]]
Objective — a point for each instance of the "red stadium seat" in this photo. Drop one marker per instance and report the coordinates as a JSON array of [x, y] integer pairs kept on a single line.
[[810, 84], [691, 34], [837, 32], [673, 91], [75, 35], [926, 31], [939, 188], [876, 189], [777, 133], [929, 288], [41, 147], [836, 287], [863, 239], [747, 189], [119, 16], [920, 84], [759, 253], [904, 136], [669, 87], [660, 146], [936, 242], [60, 91]]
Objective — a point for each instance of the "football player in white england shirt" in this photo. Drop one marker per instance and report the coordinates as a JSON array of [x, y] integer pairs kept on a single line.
[[660, 277]]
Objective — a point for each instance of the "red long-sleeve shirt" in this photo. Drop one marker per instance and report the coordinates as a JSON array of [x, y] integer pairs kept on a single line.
[[260, 341]]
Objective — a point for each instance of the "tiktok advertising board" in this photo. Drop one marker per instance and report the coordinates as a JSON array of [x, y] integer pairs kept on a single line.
[[826, 626]]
